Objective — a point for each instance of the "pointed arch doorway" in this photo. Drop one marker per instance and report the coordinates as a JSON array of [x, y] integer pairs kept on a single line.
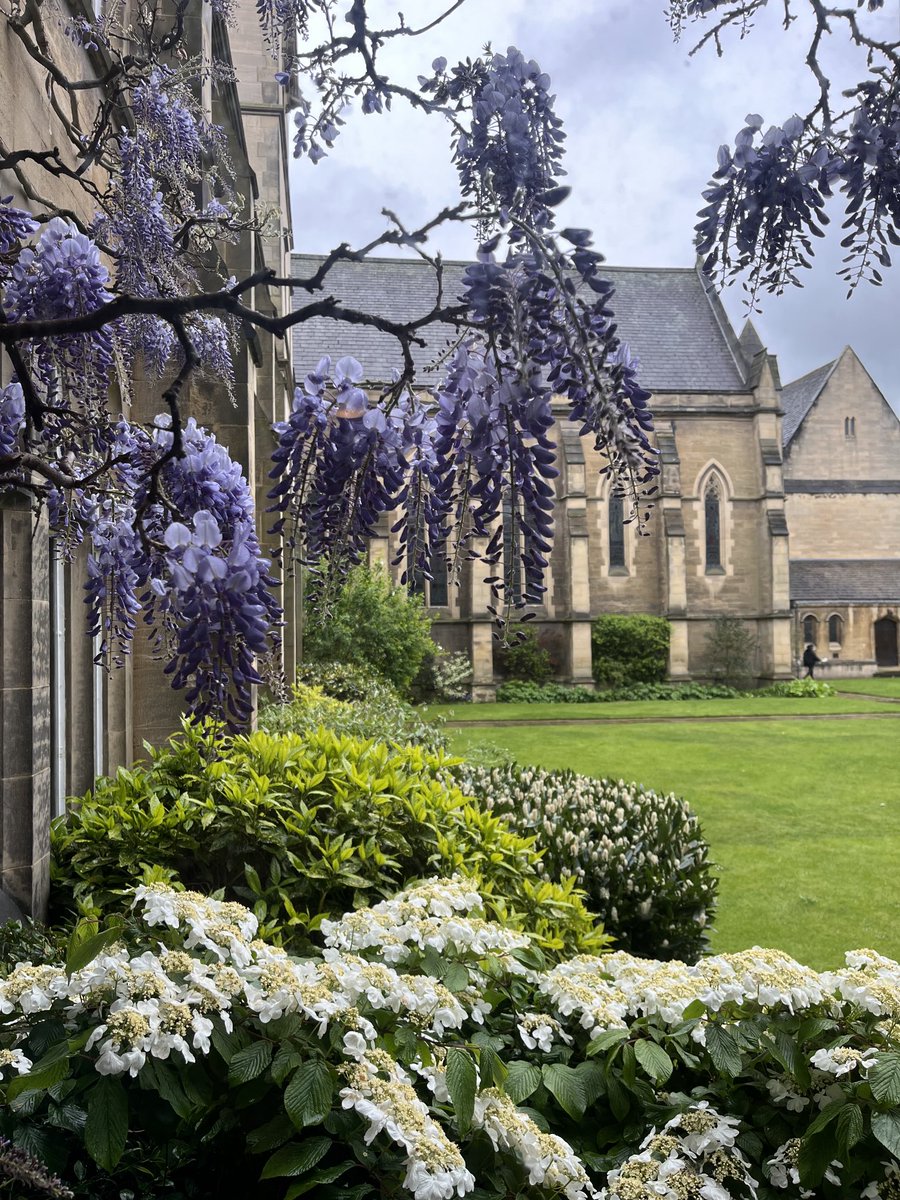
[[886, 642]]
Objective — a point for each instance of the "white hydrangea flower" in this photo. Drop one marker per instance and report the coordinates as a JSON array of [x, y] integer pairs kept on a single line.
[[15, 1059], [842, 1060]]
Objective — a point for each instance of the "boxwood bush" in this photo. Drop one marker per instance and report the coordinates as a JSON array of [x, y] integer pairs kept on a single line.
[[639, 855], [300, 828], [630, 649]]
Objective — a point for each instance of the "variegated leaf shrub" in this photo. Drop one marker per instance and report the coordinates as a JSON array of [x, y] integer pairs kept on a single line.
[[431, 1053], [638, 854]]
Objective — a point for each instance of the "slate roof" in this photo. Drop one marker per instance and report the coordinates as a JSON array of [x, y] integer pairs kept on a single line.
[[797, 399], [679, 332], [846, 581]]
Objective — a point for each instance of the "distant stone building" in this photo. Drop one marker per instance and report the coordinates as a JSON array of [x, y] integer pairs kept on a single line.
[[842, 499], [718, 538]]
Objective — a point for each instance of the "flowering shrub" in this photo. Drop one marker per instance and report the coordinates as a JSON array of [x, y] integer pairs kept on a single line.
[[382, 716], [432, 1053], [639, 855], [526, 659], [300, 827]]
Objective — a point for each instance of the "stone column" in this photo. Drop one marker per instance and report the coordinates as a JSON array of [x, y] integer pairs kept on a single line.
[[25, 707], [481, 629]]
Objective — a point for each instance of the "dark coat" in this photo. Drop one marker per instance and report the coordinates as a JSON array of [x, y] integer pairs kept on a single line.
[[810, 658]]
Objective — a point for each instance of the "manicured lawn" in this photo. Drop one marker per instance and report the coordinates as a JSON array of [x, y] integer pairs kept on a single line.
[[889, 686], [803, 817], [765, 706]]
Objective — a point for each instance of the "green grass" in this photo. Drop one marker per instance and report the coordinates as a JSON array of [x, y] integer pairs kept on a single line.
[[765, 706], [888, 686], [803, 818]]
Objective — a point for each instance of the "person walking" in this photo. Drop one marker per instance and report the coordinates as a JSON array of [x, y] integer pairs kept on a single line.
[[810, 660]]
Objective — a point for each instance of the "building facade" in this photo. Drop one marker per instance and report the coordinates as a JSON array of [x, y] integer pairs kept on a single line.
[[717, 540], [842, 499], [63, 719]]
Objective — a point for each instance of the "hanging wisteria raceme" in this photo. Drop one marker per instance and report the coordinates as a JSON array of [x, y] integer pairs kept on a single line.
[[341, 461], [767, 199], [210, 591]]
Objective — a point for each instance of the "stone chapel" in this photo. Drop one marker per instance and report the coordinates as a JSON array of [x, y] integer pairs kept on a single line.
[[777, 505]]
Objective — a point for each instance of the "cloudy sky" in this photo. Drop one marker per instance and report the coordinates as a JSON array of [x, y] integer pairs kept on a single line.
[[644, 120]]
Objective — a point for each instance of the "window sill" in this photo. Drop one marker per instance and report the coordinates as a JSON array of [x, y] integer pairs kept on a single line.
[[715, 570], [618, 571]]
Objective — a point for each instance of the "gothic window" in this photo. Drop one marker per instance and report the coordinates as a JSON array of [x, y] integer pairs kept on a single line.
[[849, 427], [835, 629], [712, 512], [616, 531], [810, 630], [433, 591]]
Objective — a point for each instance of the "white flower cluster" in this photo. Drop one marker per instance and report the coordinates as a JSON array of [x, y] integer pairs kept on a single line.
[[870, 981], [625, 844], [15, 1059], [783, 1171], [381, 1092], [434, 914], [549, 1160], [538, 1031], [694, 1155], [605, 990], [887, 1188]]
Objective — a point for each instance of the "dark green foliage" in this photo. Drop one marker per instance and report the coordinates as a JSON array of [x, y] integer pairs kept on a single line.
[[371, 623], [557, 693], [527, 659], [730, 652], [639, 855], [630, 649], [298, 828], [29, 942]]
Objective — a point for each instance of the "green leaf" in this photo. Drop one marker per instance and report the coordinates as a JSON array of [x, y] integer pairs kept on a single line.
[[884, 1078], [654, 1060], [523, 1078], [39, 1080], [326, 1175], [250, 1062], [849, 1129], [886, 1127], [456, 977], [815, 1155], [723, 1050], [81, 950], [825, 1117], [461, 1084], [271, 1135], [296, 1159], [609, 1037], [565, 1085], [593, 1081], [491, 1067], [106, 1127], [307, 1098]]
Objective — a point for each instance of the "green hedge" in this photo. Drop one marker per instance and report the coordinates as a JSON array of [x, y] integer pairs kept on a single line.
[[630, 649]]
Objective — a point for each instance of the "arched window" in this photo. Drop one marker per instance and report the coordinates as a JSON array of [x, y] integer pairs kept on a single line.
[[849, 427], [835, 629], [616, 531], [810, 630], [712, 512]]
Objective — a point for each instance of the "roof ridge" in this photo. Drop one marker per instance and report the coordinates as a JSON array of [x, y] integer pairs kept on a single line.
[[829, 366], [464, 262]]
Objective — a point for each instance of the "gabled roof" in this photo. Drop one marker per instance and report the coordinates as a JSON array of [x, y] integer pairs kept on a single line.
[[797, 399], [846, 581], [679, 332]]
